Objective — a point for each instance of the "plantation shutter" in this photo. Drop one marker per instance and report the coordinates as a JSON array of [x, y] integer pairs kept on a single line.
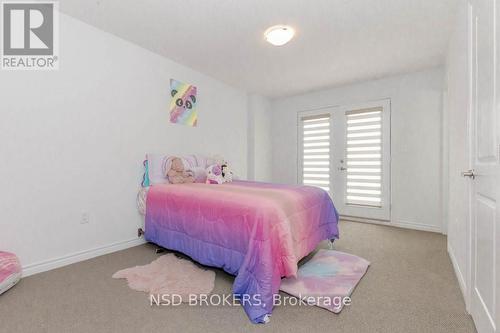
[[316, 151], [364, 157]]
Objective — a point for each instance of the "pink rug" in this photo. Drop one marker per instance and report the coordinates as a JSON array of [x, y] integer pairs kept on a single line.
[[326, 279], [169, 275]]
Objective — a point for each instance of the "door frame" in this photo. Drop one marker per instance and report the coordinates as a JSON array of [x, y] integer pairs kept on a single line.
[[382, 213], [468, 245], [385, 215]]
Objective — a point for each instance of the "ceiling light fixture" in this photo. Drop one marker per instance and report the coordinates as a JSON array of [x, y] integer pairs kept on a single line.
[[279, 34]]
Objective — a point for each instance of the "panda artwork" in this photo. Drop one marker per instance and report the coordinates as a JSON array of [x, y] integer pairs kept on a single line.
[[183, 103]]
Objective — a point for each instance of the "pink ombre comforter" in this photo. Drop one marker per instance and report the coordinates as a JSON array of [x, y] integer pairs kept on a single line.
[[256, 231]]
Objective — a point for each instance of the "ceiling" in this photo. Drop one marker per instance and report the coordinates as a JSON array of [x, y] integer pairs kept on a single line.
[[337, 41]]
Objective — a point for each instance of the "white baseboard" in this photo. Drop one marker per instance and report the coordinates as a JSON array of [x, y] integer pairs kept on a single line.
[[416, 226], [47, 265], [398, 224], [50, 264], [458, 272]]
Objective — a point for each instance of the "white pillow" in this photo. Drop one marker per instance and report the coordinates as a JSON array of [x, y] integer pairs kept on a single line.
[[156, 169], [200, 174]]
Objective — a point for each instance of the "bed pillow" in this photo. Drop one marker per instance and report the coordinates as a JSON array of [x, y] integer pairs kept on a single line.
[[200, 174], [156, 170]]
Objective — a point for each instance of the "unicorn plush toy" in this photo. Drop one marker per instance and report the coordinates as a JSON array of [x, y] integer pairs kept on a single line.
[[214, 174], [227, 173]]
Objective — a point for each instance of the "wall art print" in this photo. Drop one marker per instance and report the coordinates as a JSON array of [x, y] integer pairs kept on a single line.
[[183, 104]]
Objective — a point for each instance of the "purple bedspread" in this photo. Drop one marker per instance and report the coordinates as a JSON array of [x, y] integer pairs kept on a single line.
[[256, 231]]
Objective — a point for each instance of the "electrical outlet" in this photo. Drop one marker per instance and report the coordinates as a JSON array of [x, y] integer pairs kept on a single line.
[[85, 218]]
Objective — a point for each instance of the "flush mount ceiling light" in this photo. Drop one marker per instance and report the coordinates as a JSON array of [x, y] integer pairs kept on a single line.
[[279, 34]]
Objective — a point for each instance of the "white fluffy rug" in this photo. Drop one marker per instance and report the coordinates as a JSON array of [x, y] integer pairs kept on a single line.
[[169, 275]]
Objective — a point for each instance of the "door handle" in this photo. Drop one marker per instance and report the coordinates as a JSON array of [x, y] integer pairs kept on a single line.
[[342, 169], [469, 173]]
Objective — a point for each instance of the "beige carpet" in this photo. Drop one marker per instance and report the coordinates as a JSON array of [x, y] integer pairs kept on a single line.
[[409, 287]]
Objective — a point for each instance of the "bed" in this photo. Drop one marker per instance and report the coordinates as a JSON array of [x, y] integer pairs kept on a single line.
[[255, 231]]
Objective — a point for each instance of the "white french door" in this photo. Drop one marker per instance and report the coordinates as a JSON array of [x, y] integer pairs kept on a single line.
[[346, 151], [484, 263]]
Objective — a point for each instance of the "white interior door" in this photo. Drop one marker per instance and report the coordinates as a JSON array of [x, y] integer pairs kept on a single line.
[[346, 151], [485, 184]]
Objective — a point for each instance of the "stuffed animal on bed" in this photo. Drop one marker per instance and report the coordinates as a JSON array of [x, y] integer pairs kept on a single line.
[[177, 173], [219, 160], [214, 174], [227, 174]]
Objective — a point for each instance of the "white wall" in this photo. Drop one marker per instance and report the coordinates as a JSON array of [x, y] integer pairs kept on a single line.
[[259, 139], [456, 125], [73, 141], [416, 104]]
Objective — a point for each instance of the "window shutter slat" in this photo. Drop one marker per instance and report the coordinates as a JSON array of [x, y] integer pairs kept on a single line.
[[316, 151], [364, 157]]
